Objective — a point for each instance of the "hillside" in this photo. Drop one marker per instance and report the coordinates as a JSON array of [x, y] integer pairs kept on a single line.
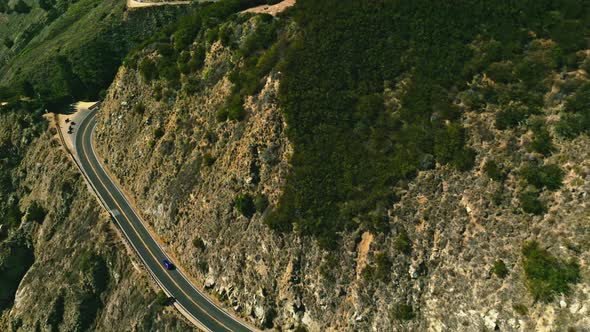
[[351, 166], [71, 50], [341, 166]]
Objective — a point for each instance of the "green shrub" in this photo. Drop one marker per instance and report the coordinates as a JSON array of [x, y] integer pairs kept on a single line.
[[346, 160], [148, 69], [187, 29], [402, 312], [500, 269], [199, 243], [580, 101], [546, 176], [500, 72], [449, 147], [403, 243], [547, 276], [208, 159], [8, 42], [244, 203], [368, 273], [530, 203], [235, 109], [222, 114], [13, 216], [139, 108], [212, 35], [382, 267], [261, 38], [162, 299], [198, 59], [511, 116], [261, 203], [520, 309], [36, 213], [570, 126], [168, 71], [225, 35], [542, 142], [21, 7], [158, 133], [493, 171], [464, 159], [183, 61], [45, 5]]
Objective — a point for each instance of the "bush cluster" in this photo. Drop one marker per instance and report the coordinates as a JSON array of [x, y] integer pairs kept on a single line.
[[402, 312], [548, 176], [244, 203], [546, 275]]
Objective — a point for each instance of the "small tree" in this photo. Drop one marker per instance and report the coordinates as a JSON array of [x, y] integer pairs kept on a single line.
[[493, 171], [547, 276], [199, 243], [139, 108], [546, 176], [500, 269], [382, 267], [8, 42], [45, 4], [36, 213], [403, 243], [21, 7], [530, 203], [261, 203], [402, 311], [148, 69], [245, 204]]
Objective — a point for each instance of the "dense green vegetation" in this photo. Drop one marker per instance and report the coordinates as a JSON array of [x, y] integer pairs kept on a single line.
[[352, 146], [530, 202], [499, 269], [546, 275], [178, 57], [73, 50], [494, 171], [548, 176], [576, 120], [403, 243], [36, 213]]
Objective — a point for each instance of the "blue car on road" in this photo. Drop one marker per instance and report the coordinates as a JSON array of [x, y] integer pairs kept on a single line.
[[168, 264]]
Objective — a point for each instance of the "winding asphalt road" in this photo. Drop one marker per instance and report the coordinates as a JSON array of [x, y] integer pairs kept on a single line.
[[192, 302]]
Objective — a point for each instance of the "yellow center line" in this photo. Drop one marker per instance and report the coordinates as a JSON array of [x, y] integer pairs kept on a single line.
[[123, 213]]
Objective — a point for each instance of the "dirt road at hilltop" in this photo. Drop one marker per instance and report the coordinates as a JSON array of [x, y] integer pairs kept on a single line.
[[273, 10], [143, 4]]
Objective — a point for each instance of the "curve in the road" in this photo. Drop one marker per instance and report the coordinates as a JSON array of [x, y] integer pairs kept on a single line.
[[192, 302]]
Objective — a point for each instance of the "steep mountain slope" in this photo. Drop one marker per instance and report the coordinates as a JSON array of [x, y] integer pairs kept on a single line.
[[73, 49], [353, 166], [62, 265], [344, 166]]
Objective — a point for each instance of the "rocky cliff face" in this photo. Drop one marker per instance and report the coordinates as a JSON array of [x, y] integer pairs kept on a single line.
[[184, 171], [63, 266]]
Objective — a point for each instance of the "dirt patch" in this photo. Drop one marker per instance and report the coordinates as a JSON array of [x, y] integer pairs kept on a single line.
[[143, 4], [272, 10], [363, 251]]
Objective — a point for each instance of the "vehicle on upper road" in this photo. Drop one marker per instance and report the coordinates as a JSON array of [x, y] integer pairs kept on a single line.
[[167, 264]]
